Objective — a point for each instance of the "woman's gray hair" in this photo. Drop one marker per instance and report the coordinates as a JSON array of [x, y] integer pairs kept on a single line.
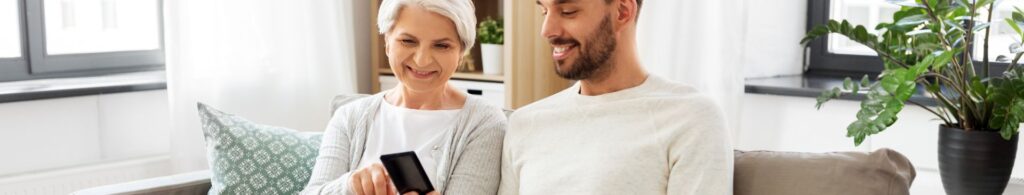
[[461, 12]]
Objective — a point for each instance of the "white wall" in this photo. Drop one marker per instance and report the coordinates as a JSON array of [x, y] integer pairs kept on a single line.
[[774, 30], [50, 134]]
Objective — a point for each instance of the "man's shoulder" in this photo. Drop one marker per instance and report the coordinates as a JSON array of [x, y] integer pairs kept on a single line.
[[668, 88], [554, 101], [677, 94]]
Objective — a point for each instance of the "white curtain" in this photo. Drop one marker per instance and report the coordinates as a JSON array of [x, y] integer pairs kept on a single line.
[[697, 42], [275, 62]]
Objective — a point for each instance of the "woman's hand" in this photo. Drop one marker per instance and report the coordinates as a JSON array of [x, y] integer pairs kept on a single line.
[[372, 180]]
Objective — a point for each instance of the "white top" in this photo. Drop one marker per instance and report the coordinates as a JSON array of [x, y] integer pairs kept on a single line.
[[656, 138], [470, 160], [397, 129]]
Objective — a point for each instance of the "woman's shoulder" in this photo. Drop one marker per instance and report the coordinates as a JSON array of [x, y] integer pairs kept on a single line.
[[483, 117], [355, 106], [479, 108]]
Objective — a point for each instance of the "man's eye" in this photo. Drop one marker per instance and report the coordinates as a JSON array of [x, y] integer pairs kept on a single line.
[[567, 13]]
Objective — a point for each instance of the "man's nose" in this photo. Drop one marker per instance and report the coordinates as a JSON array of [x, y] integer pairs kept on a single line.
[[552, 27]]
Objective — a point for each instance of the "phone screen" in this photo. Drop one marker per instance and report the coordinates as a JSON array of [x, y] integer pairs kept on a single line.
[[406, 172]]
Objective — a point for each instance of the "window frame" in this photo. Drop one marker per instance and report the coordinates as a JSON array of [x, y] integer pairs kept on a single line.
[[822, 62], [10, 67], [34, 63]]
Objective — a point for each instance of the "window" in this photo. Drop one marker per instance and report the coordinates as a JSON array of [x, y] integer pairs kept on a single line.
[[72, 38], [837, 55], [865, 12], [94, 26], [1002, 36], [10, 36]]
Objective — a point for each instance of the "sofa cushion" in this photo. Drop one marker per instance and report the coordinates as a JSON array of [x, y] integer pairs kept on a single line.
[[249, 158], [881, 172]]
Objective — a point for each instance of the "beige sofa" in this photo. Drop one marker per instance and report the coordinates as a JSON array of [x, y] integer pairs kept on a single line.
[[881, 172]]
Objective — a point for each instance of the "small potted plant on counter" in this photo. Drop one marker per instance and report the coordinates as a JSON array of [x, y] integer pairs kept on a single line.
[[491, 34]]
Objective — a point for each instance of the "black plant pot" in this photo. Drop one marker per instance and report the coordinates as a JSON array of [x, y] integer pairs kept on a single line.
[[975, 162]]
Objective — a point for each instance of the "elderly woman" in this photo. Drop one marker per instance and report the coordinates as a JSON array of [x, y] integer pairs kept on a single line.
[[457, 137]]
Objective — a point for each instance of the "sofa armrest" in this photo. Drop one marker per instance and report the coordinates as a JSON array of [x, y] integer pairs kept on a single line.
[[186, 183], [882, 172]]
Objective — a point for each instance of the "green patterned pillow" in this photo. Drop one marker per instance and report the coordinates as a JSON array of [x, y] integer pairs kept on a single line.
[[249, 158]]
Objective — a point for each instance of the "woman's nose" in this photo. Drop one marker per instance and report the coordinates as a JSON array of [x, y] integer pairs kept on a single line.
[[423, 57]]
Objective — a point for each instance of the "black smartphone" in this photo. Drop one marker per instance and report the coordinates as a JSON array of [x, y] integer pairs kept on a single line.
[[406, 172]]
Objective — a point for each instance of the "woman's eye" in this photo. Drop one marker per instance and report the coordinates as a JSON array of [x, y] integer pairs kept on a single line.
[[569, 13], [408, 42], [442, 46]]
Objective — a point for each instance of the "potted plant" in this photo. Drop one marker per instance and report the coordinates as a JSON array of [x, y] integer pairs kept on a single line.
[[491, 34], [929, 46]]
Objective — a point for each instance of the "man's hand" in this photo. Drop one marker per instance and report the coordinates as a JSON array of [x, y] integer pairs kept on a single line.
[[372, 180]]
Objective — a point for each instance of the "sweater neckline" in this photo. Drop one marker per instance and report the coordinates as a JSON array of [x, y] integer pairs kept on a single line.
[[648, 84]]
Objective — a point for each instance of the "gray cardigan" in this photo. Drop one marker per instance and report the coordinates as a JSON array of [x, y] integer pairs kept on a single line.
[[471, 156]]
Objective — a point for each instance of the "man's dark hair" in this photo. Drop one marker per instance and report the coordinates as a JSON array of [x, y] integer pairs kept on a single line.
[[639, 4]]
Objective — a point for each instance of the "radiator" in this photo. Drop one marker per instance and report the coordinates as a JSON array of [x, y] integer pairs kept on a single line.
[[67, 180]]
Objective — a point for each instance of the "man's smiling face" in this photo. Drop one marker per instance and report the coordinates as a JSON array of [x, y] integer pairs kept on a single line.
[[581, 35]]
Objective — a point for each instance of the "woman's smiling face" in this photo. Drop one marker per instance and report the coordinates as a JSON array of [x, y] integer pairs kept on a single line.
[[423, 49]]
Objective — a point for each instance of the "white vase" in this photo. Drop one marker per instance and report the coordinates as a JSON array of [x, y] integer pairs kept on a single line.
[[491, 56]]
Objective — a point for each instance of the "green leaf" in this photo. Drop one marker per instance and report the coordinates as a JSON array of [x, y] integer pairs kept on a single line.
[[1007, 97], [857, 33], [1013, 120], [1013, 25], [934, 87], [818, 31], [983, 3], [980, 26], [864, 81], [491, 31], [977, 90], [912, 20], [861, 34], [887, 99], [826, 96], [847, 83]]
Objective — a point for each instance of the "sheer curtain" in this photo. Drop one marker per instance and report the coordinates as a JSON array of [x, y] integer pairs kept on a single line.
[[699, 43], [272, 61]]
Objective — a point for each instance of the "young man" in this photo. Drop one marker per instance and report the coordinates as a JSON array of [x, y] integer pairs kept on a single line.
[[618, 130]]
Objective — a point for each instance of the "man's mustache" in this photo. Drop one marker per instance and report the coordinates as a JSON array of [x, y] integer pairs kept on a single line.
[[563, 41]]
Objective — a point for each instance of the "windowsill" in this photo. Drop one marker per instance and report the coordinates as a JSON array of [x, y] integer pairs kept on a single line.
[[811, 86], [80, 86]]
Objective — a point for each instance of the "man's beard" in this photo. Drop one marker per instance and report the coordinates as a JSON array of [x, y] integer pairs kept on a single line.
[[594, 58]]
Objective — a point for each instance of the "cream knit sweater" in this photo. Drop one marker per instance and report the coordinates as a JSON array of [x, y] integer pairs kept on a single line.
[[656, 138]]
